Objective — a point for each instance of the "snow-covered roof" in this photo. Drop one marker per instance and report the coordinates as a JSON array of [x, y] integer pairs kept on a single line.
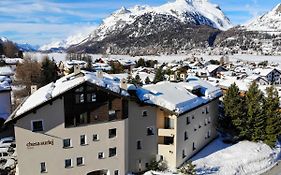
[[13, 60], [6, 70], [228, 81], [263, 72], [212, 67], [4, 86], [177, 97], [102, 66], [64, 84]]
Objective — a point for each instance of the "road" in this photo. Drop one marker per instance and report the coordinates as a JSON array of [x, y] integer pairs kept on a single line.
[[276, 170]]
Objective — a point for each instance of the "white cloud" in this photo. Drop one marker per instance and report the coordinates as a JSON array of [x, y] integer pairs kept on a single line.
[[36, 33]]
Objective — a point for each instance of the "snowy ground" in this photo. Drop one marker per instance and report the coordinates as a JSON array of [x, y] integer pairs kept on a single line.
[[243, 158]]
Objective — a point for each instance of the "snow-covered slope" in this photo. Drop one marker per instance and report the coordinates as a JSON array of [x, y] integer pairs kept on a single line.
[[199, 12], [269, 22], [71, 40], [243, 158]]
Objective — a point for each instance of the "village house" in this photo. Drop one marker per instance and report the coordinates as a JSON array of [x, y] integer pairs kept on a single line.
[[272, 75]]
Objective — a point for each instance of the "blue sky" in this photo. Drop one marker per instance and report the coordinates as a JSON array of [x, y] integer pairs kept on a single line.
[[43, 21]]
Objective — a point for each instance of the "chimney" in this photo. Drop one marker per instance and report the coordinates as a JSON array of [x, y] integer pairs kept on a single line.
[[99, 74], [77, 69], [123, 84], [33, 89]]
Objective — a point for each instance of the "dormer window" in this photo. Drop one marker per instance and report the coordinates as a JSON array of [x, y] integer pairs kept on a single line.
[[37, 125], [144, 113]]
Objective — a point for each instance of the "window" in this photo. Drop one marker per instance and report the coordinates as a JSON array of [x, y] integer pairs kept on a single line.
[[206, 121], [187, 120], [37, 126], [200, 124], [116, 172], [209, 120], [83, 118], [192, 117], [183, 154], [96, 137], [79, 98], [101, 155], [138, 144], [150, 131], [193, 146], [91, 97], [112, 133], [185, 135], [112, 152], [80, 161], [112, 115], [43, 167], [209, 133], [67, 163], [66, 143], [83, 140], [207, 110], [144, 113]]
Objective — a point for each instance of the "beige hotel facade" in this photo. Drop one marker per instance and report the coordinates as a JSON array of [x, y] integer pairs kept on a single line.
[[86, 124]]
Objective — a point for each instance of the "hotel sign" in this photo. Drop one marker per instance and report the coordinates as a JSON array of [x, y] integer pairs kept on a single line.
[[42, 143]]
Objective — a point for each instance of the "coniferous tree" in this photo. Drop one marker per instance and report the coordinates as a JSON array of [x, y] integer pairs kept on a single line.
[[271, 110], [147, 80], [255, 120], [48, 71], [233, 108], [159, 75]]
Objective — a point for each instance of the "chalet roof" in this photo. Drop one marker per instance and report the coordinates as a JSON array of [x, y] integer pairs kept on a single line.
[[64, 84], [264, 72]]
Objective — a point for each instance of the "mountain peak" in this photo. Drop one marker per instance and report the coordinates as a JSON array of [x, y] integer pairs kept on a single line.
[[270, 22], [122, 10], [4, 39]]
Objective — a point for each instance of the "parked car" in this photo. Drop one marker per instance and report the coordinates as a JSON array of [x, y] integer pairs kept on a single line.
[[4, 153], [7, 142], [10, 164]]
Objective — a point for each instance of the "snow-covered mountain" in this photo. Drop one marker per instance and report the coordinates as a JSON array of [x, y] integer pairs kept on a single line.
[[61, 45], [260, 36], [269, 22], [3, 39], [27, 47], [145, 28], [199, 12]]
